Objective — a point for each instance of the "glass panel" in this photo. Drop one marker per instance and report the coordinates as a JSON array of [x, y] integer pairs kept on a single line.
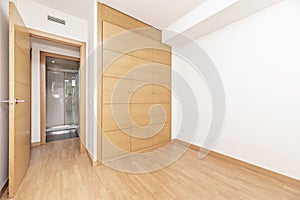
[[71, 98], [55, 107]]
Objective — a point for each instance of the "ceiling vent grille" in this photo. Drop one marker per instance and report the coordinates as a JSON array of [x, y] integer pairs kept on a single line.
[[56, 20]]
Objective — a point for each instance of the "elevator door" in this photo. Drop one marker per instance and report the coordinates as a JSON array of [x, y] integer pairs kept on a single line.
[[62, 98]]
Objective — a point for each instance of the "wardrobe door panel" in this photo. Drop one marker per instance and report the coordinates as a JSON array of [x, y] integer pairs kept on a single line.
[[145, 53], [141, 138], [115, 64], [163, 133], [143, 94], [110, 30], [162, 56], [141, 46], [162, 74], [115, 116], [160, 113], [141, 69], [136, 84], [140, 114], [115, 143], [161, 94], [116, 90], [116, 38]]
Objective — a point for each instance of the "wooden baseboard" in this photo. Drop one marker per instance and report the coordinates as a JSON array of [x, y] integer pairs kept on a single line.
[[3, 188], [246, 165], [94, 163], [84, 150], [35, 144]]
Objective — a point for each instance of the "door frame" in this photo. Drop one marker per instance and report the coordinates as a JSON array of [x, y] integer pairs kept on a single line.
[[43, 56], [82, 85]]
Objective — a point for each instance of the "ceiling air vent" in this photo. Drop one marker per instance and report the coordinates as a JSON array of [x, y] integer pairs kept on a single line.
[[56, 20]]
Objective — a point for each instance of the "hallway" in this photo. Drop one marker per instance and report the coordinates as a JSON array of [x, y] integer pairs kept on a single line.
[[58, 171]]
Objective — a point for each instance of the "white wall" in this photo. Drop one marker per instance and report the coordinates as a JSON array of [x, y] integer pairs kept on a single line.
[[35, 16], [3, 91], [92, 74], [38, 46], [259, 63]]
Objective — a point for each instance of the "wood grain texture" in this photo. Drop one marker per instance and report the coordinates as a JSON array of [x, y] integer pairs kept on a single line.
[[55, 55], [109, 121], [127, 22], [136, 66], [35, 144], [163, 133], [140, 144], [54, 38], [19, 88], [116, 17], [116, 90], [246, 165], [146, 114], [58, 171], [100, 70], [115, 143], [82, 96]]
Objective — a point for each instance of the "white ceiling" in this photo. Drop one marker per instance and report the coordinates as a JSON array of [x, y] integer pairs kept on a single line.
[[158, 13]]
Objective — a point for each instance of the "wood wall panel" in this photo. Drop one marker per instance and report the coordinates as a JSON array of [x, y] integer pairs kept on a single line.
[[141, 69], [111, 30], [140, 114], [145, 53], [161, 94], [115, 38], [120, 19], [162, 56], [141, 138], [112, 122], [134, 58], [147, 114], [162, 136], [143, 94], [161, 113], [115, 64], [116, 90], [115, 143], [162, 74]]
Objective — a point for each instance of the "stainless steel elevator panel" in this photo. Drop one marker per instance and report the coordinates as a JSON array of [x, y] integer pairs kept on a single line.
[[62, 98]]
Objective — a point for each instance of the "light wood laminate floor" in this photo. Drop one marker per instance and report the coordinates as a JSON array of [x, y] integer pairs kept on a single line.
[[58, 171]]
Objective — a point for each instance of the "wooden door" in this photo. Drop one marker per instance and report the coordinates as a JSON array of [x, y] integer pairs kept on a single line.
[[19, 100]]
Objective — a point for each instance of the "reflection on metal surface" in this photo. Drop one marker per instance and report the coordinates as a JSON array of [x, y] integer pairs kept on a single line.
[[62, 99], [61, 135]]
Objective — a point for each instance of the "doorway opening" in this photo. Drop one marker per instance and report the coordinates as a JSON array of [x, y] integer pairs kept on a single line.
[[62, 98], [57, 47]]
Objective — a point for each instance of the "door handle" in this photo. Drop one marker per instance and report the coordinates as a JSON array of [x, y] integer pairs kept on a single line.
[[20, 101], [15, 101]]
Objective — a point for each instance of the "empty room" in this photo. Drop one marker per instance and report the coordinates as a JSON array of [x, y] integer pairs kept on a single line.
[[149, 99]]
